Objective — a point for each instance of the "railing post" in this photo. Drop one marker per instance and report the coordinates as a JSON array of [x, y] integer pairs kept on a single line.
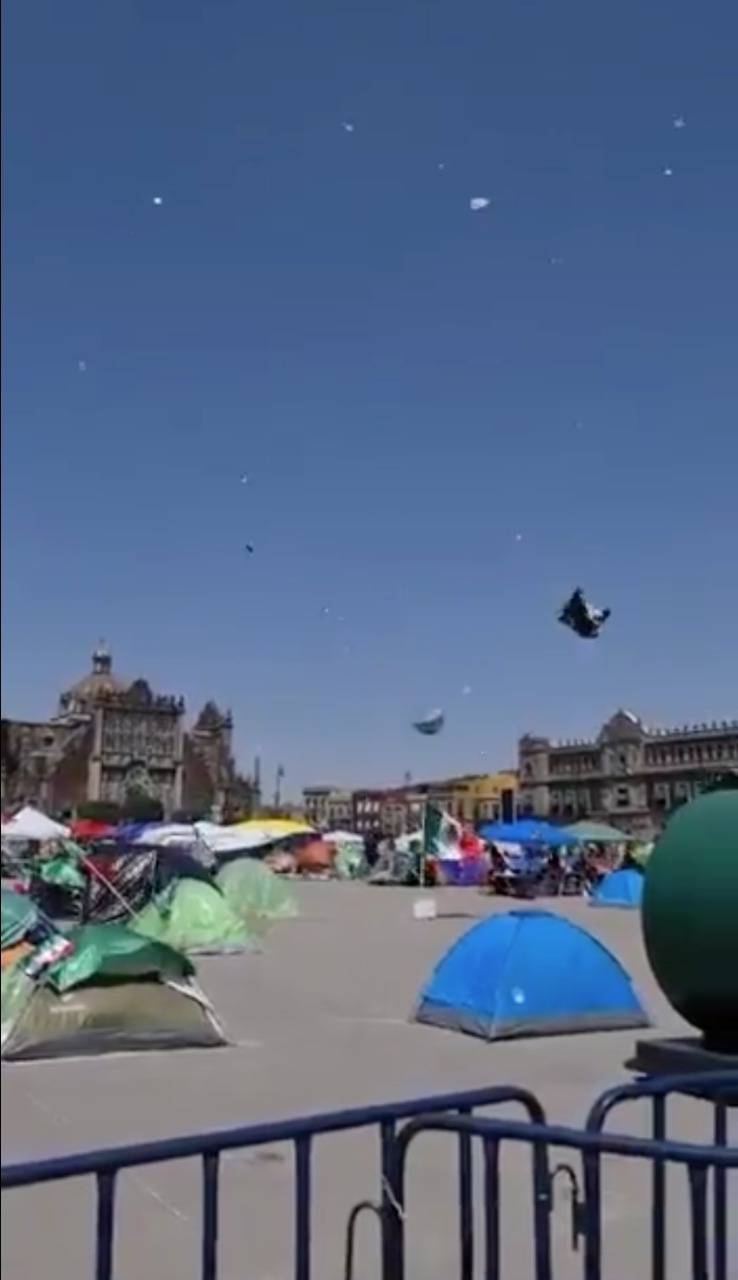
[[303, 1192], [105, 1226], [210, 1180]]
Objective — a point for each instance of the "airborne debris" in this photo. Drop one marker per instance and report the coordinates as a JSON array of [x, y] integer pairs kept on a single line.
[[82, 366], [479, 202], [668, 173], [466, 690], [430, 724], [679, 122], [348, 127], [582, 617], [250, 548], [157, 200]]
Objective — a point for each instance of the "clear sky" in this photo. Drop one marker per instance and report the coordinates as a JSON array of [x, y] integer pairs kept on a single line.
[[448, 418]]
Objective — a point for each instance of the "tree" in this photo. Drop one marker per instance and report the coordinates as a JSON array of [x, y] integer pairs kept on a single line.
[[139, 806], [99, 811]]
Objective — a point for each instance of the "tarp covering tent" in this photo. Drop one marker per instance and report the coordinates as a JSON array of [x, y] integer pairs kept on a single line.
[[528, 831], [529, 973], [192, 916], [115, 991], [597, 833], [621, 888], [255, 894], [31, 824]]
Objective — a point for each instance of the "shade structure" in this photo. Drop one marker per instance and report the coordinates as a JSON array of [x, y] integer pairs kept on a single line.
[[527, 831], [91, 829], [529, 973], [31, 824], [275, 828], [597, 833], [621, 888]]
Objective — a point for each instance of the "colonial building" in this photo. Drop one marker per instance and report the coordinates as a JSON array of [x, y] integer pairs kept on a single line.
[[111, 740], [472, 798], [328, 808], [630, 775]]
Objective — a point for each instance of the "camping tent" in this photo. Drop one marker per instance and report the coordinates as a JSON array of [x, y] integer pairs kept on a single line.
[[621, 888], [192, 916], [529, 973], [255, 894], [31, 824], [114, 991]]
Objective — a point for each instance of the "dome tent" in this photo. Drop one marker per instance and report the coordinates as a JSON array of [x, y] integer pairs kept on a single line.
[[621, 888], [529, 973]]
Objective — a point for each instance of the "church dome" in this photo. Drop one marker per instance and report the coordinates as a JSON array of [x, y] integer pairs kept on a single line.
[[97, 683]]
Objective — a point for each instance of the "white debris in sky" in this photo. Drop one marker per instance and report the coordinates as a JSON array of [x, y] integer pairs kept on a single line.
[[668, 173], [466, 690], [518, 537], [158, 200], [556, 262], [479, 202], [82, 366], [347, 126], [244, 479], [679, 122], [441, 166]]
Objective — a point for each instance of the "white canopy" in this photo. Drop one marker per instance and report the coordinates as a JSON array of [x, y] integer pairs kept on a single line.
[[31, 824], [343, 837]]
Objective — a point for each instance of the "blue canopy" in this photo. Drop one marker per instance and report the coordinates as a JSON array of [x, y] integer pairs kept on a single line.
[[529, 973], [622, 888], [528, 831]]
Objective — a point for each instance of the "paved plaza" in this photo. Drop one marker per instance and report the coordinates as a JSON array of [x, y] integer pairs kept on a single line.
[[319, 1020]]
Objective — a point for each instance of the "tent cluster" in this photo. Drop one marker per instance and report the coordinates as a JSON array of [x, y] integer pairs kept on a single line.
[[118, 975]]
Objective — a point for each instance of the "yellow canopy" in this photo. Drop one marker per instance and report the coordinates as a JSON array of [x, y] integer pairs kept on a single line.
[[278, 828]]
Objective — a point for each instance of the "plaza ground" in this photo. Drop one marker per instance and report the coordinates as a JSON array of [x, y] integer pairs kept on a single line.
[[319, 1020]]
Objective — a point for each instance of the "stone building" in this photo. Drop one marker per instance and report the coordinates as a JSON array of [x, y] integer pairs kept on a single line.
[[113, 739], [471, 798], [630, 775], [328, 808]]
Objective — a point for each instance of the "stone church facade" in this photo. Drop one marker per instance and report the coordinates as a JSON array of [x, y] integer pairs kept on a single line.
[[110, 740]]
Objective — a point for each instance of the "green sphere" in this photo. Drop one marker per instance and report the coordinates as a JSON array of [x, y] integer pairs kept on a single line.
[[690, 916]]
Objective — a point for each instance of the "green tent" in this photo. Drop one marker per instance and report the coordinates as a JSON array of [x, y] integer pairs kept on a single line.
[[19, 914], [255, 893], [191, 915], [597, 833], [115, 991]]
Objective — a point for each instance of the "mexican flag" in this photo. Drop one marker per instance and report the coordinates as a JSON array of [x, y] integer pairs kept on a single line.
[[441, 834]]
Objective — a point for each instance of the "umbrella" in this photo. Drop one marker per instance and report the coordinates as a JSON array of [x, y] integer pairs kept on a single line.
[[275, 828], [597, 833]]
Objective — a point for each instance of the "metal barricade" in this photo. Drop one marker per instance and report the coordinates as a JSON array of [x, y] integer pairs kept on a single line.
[[398, 1124]]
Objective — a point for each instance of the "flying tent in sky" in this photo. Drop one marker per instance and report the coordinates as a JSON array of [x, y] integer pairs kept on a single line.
[[582, 617], [430, 724]]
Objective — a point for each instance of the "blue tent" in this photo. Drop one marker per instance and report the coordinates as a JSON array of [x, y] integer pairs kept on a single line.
[[529, 973], [623, 888], [528, 831]]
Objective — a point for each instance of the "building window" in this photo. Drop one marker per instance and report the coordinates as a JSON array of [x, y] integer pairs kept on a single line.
[[622, 797]]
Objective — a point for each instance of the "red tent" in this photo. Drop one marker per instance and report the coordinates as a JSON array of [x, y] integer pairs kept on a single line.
[[90, 829]]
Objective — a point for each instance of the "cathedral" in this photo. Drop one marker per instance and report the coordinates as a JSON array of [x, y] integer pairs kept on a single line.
[[112, 741]]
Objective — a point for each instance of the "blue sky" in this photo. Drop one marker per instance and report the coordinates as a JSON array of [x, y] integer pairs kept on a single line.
[[408, 385]]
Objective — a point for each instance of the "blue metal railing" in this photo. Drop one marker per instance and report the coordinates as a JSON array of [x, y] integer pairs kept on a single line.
[[398, 1124], [104, 1165]]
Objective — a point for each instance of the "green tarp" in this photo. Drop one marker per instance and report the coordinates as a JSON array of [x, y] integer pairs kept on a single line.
[[191, 915], [255, 893], [105, 952], [19, 914]]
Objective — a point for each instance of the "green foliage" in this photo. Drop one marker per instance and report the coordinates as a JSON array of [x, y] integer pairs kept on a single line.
[[99, 811], [139, 806]]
